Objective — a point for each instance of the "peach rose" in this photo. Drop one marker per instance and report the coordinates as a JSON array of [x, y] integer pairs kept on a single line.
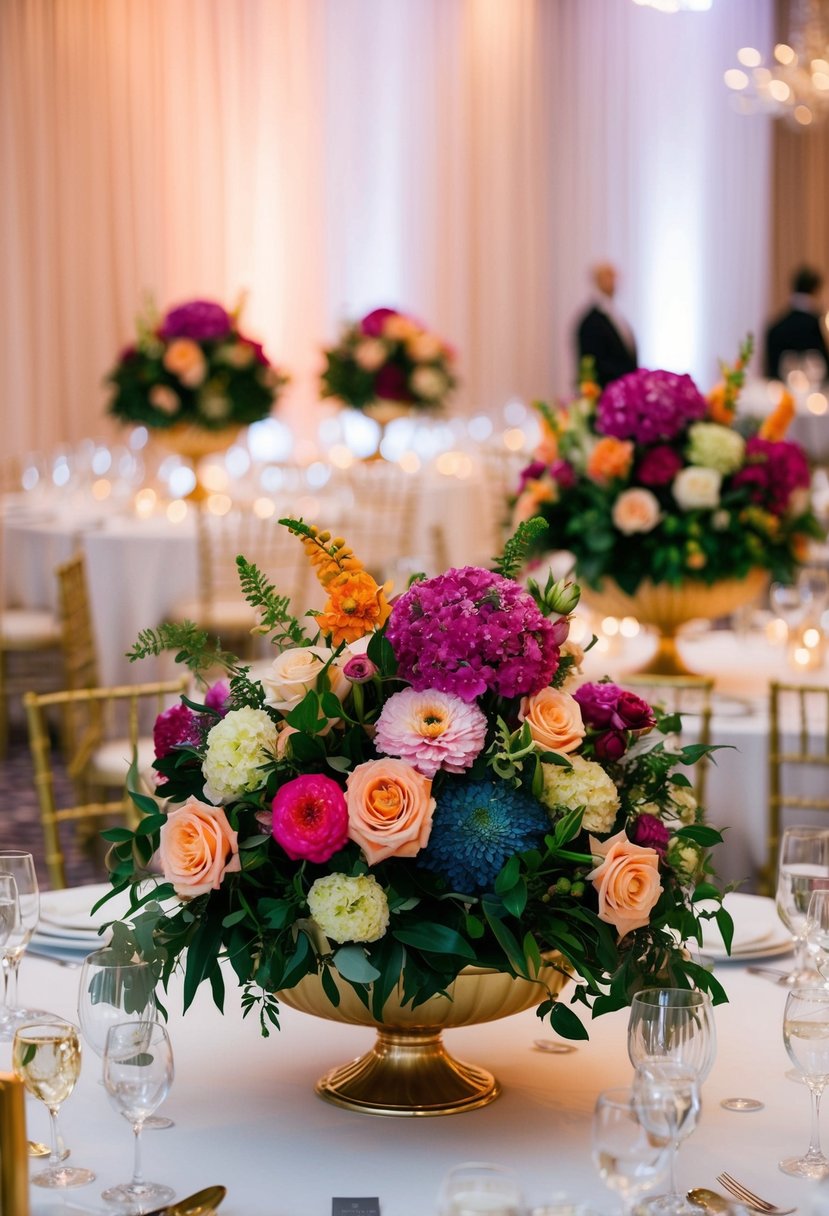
[[627, 882], [197, 848], [554, 719], [184, 359], [390, 809], [636, 510]]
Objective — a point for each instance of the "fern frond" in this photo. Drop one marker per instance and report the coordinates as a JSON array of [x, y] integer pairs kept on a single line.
[[192, 645], [518, 547], [274, 609]]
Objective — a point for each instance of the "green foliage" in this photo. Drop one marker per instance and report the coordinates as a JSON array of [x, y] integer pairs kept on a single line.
[[275, 610], [192, 645], [516, 550]]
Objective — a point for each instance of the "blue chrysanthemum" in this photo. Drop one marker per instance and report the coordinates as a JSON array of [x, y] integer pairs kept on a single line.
[[477, 826]]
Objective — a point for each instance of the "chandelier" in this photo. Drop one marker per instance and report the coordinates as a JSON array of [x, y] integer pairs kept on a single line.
[[794, 85]]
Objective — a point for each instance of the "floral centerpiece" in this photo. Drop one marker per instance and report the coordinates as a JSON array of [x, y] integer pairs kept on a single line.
[[388, 363], [193, 366], [650, 480], [414, 787]]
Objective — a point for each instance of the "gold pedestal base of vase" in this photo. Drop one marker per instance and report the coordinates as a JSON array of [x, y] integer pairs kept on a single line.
[[408, 1072], [193, 443], [666, 608]]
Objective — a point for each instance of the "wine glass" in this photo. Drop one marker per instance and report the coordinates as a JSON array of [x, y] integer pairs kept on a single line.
[[666, 1096], [475, 1187], [138, 1073], [21, 867], [629, 1157], [791, 602], [803, 868], [46, 1056], [806, 1036], [112, 991], [675, 1025], [817, 931], [8, 907]]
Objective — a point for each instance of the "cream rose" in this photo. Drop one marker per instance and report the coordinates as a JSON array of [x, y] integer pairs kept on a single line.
[[636, 510], [627, 882], [554, 719], [697, 487], [390, 809], [197, 847], [293, 673], [428, 383], [424, 347], [184, 359], [370, 354], [163, 398]]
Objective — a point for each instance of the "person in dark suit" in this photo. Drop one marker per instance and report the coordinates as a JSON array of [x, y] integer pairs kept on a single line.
[[602, 332], [799, 330]]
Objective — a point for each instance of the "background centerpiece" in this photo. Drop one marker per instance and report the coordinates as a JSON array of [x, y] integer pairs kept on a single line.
[[416, 818], [193, 378], [670, 511], [389, 365]]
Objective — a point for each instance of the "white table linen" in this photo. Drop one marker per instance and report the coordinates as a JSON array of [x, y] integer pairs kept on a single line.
[[246, 1115]]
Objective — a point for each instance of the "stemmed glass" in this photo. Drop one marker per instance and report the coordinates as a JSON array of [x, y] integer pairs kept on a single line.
[[666, 1095], [791, 603], [138, 1073], [112, 991], [675, 1025], [8, 907], [46, 1056], [21, 867], [802, 869], [806, 1036], [475, 1187], [817, 931], [629, 1157]]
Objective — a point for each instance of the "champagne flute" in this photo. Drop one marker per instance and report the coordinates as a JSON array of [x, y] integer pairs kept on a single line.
[[666, 1096], [9, 907], [817, 931], [629, 1157], [21, 867], [475, 1187], [112, 991], [46, 1056], [138, 1073], [806, 1036], [673, 1024], [803, 868]]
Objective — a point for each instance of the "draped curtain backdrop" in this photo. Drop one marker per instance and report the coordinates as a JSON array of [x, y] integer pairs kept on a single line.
[[465, 160]]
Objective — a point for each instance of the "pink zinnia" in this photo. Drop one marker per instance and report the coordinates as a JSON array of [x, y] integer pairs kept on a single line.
[[310, 818], [431, 730]]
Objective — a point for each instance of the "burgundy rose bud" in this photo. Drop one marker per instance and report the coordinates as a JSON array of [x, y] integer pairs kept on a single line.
[[635, 713], [561, 630], [598, 704], [611, 745], [651, 833], [360, 669]]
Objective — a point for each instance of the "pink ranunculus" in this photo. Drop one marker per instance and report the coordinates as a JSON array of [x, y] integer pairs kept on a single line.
[[390, 809], [372, 323], [359, 669], [627, 882], [178, 726], [561, 630], [610, 745], [634, 711], [197, 847], [310, 819], [607, 706]]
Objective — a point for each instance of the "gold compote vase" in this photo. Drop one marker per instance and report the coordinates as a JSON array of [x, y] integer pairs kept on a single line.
[[667, 608], [193, 443], [408, 1071]]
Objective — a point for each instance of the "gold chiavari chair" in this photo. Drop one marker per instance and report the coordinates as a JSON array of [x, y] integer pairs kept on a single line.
[[798, 751], [80, 657], [685, 695], [104, 726]]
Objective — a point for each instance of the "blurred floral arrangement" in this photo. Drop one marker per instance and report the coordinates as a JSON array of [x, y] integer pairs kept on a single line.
[[193, 365], [388, 357], [415, 785], [650, 480]]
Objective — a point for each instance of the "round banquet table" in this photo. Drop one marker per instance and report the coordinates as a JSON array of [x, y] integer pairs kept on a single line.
[[246, 1115]]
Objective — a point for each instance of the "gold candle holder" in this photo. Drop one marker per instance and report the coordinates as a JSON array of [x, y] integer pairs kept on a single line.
[[14, 1154]]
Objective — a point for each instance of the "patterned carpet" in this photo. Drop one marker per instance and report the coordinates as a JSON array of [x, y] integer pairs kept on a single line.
[[20, 821]]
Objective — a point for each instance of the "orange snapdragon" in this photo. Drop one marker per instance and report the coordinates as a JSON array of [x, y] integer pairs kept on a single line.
[[774, 427], [610, 458], [356, 606]]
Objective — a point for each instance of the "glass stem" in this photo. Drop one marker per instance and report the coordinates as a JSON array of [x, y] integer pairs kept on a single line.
[[813, 1153], [55, 1154], [801, 960], [10, 964], [137, 1174], [672, 1167]]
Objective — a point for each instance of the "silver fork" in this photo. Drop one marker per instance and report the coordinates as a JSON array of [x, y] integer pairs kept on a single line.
[[747, 1197]]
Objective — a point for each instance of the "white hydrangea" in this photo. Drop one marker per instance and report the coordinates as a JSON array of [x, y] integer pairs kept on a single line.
[[685, 801], [349, 909], [716, 447], [585, 784], [684, 857], [237, 747]]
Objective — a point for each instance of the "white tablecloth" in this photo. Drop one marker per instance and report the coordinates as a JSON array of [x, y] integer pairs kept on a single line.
[[246, 1115]]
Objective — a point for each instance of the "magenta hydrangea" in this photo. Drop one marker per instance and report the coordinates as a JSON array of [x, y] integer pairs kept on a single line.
[[650, 833], [658, 466], [470, 631], [201, 320], [178, 726], [772, 472], [310, 818], [649, 406]]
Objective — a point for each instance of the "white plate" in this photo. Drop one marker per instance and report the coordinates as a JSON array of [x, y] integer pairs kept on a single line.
[[71, 909], [758, 931], [57, 935]]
